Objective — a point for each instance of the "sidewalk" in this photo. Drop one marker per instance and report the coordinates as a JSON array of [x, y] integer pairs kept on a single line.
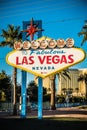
[[61, 112], [72, 112]]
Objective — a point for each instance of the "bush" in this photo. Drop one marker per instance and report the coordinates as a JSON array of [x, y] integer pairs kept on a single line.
[[76, 99], [61, 99], [46, 97]]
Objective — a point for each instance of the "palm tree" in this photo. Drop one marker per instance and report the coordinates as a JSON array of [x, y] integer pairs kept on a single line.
[[11, 35], [64, 73], [52, 86], [83, 78], [32, 88], [83, 33], [5, 85]]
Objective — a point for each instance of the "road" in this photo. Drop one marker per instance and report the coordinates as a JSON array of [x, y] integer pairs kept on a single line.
[[32, 123]]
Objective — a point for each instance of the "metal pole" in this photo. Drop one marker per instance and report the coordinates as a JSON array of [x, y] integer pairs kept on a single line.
[[40, 98], [40, 88], [23, 93], [40, 85], [23, 87]]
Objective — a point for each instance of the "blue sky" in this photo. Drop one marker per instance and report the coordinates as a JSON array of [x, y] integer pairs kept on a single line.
[[60, 19]]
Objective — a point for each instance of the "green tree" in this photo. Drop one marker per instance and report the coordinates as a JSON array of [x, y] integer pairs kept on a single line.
[[32, 91], [5, 85], [83, 78], [11, 35], [83, 33]]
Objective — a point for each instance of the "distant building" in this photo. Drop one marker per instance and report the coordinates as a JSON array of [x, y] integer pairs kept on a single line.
[[64, 84]]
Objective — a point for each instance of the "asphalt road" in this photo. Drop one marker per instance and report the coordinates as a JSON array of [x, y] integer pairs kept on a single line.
[[44, 124], [9, 122]]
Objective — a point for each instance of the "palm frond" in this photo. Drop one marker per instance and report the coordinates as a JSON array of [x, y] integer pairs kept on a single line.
[[64, 74], [83, 41], [10, 28], [81, 33], [11, 35], [3, 43], [82, 77], [4, 33]]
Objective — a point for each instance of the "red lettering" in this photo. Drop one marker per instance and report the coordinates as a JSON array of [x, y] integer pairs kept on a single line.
[[71, 60], [63, 59], [17, 61], [31, 60], [24, 60], [48, 59], [55, 59], [41, 59]]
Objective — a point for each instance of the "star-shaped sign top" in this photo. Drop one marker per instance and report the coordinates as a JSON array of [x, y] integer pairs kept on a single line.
[[32, 29]]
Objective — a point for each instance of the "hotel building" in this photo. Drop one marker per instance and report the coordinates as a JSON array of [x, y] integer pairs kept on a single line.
[[65, 84]]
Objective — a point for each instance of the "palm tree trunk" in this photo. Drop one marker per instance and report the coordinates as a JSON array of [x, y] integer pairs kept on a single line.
[[14, 91], [52, 85]]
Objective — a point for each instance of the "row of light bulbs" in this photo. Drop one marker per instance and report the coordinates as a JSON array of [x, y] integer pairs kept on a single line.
[[43, 44]]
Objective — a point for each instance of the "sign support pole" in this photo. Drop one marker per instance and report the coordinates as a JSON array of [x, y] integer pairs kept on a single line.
[[23, 86], [40, 97], [40, 87], [23, 94]]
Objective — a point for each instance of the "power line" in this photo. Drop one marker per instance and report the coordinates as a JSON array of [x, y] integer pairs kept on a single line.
[[40, 11], [46, 6], [65, 20], [24, 2], [34, 3], [37, 9]]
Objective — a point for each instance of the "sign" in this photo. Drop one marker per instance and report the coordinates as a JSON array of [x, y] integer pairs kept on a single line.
[[44, 60]]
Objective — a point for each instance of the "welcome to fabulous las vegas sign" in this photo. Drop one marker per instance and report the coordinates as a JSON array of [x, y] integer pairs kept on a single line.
[[45, 56]]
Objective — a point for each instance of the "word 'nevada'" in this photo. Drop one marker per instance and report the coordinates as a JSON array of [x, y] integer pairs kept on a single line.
[[43, 68], [56, 59]]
